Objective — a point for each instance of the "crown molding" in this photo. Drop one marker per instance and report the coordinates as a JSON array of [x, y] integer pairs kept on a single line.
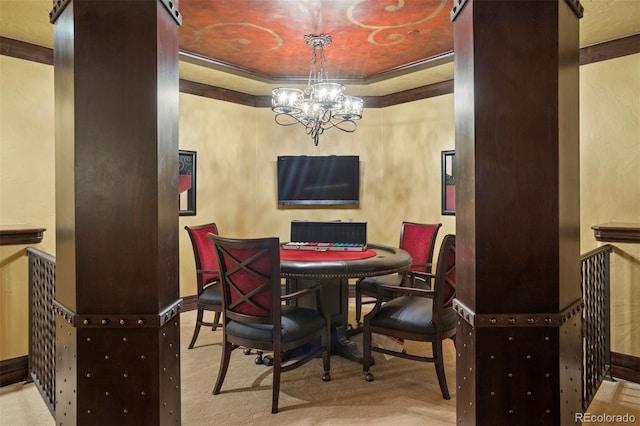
[[599, 52]]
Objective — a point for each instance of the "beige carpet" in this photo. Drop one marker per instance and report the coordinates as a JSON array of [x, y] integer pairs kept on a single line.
[[404, 392]]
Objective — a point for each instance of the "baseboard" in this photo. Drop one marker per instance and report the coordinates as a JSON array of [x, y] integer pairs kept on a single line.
[[626, 367], [14, 370]]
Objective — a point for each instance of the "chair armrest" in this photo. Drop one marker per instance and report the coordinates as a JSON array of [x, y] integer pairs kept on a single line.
[[411, 291], [419, 278], [421, 292], [423, 275], [300, 293], [313, 289]]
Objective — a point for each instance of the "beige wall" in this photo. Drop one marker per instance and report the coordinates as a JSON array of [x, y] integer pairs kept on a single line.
[[26, 185], [399, 150], [237, 146], [610, 181]]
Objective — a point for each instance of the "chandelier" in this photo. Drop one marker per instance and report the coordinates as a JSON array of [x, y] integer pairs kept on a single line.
[[321, 105]]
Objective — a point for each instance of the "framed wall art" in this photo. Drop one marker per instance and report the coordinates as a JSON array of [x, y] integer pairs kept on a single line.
[[187, 182], [448, 182]]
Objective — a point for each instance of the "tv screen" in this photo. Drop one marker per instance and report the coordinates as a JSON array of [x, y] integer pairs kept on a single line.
[[318, 180]]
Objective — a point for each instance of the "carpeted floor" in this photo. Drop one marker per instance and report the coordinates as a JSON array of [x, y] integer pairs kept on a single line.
[[404, 392]]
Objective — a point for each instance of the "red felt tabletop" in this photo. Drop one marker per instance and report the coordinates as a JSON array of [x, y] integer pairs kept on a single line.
[[329, 255]]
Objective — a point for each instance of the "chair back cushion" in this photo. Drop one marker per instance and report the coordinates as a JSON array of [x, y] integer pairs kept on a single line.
[[203, 251], [250, 276], [419, 240]]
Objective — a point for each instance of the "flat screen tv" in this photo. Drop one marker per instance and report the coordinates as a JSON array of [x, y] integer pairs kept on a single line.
[[319, 180]]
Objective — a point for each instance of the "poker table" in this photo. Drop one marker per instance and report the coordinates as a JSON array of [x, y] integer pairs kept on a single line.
[[333, 269], [376, 260]]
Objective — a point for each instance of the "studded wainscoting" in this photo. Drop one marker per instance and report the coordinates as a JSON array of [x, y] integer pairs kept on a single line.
[[514, 372], [66, 391], [521, 363], [118, 369], [117, 378]]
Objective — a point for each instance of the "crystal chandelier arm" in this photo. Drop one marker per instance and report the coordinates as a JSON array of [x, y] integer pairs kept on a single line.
[[278, 119], [340, 125], [315, 130]]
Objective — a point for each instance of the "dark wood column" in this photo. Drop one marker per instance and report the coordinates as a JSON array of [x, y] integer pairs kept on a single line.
[[117, 290], [518, 211]]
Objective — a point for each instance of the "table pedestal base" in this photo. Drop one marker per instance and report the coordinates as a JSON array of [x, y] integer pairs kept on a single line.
[[342, 346], [335, 299]]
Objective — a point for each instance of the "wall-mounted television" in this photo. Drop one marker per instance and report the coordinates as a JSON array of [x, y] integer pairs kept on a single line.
[[319, 180]]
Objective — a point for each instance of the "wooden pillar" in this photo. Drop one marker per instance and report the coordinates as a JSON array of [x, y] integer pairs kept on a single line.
[[117, 290], [518, 211]]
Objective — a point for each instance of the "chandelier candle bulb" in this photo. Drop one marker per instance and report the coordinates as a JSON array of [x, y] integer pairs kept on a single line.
[[322, 104]]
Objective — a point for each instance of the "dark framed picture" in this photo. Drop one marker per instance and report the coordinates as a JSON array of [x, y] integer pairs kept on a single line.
[[449, 182], [187, 182]]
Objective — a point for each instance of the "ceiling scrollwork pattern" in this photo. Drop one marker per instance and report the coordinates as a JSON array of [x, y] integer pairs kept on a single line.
[[265, 38], [387, 35], [249, 36]]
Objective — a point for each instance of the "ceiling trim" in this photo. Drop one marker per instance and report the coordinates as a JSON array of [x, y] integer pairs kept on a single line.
[[610, 49], [400, 71], [219, 93], [27, 51], [599, 52]]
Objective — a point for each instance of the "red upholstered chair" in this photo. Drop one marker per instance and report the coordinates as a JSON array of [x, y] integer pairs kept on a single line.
[[254, 313], [418, 314], [419, 240], [207, 275]]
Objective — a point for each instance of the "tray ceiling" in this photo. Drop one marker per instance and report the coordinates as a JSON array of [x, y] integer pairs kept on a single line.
[[381, 46]]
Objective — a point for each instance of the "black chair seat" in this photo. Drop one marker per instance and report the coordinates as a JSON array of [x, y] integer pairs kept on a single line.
[[296, 323], [412, 314], [211, 296]]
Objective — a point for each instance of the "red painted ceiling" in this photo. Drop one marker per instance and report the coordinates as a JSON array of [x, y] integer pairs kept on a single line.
[[265, 38]]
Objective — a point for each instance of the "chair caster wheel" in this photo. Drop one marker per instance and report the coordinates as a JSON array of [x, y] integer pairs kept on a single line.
[[368, 377], [246, 351], [267, 360], [259, 360], [326, 377]]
